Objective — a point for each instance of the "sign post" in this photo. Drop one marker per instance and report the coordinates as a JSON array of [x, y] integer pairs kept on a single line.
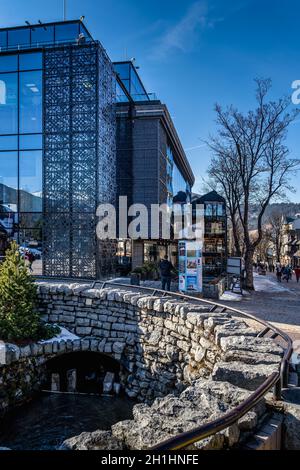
[[190, 266], [234, 273]]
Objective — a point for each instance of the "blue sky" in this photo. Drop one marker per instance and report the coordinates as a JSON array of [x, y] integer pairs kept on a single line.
[[192, 54]]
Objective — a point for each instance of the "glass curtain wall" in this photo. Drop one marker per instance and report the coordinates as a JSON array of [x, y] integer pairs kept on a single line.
[[21, 152], [179, 190], [34, 36]]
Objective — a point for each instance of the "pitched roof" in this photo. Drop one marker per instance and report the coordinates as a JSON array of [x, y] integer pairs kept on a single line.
[[212, 196]]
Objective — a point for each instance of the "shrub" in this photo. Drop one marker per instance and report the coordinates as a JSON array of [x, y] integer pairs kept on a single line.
[[19, 318]]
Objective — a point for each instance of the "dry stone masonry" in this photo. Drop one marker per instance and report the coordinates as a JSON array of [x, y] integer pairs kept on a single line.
[[162, 344], [185, 364]]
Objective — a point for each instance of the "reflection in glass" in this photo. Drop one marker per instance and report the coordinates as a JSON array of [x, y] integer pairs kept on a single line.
[[31, 220], [8, 181], [42, 35], [7, 230], [30, 102], [8, 142], [127, 73], [179, 190], [30, 61], [3, 39], [30, 240], [123, 70], [30, 167], [8, 63], [30, 141], [8, 103], [121, 97], [18, 37], [214, 210], [66, 32]]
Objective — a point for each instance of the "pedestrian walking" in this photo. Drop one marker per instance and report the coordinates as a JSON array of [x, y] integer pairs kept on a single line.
[[286, 273], [297, 273], [166, 268], [279, 273]]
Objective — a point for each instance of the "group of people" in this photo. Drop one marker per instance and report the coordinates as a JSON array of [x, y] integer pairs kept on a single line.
[[264, 266], [283, 272], [286, 273]]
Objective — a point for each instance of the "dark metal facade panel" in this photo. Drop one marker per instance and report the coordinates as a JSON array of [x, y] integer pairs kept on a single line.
[[145, 161], [163, 142], [79, 157]]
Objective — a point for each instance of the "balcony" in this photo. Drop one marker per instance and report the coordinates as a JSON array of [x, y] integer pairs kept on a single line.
[[43, 35]]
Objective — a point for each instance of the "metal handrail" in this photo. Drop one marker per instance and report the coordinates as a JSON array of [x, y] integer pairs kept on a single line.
[[277, 379], [188, 438]]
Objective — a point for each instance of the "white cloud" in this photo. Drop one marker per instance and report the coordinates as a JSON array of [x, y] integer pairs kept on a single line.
[[182, 36], [196, 147]]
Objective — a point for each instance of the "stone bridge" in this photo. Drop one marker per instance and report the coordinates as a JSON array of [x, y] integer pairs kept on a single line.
[[186, 363]]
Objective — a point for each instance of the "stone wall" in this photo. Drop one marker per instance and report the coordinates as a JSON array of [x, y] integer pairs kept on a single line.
[[187, 365], [163, 343], [23, 369], [19, 380]]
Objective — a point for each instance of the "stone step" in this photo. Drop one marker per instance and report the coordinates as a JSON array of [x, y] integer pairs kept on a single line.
[[293, 380], [268, 436], [247, 376]]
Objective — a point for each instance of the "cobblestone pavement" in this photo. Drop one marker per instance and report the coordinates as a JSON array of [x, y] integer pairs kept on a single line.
[[276, 303]]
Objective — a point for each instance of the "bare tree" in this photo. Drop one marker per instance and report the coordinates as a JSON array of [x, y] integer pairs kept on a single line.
[[254, 145], [262, 249], [223, 178], [276, 221]]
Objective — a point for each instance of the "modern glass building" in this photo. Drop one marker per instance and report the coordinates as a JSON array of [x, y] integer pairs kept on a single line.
[[77, 131], [57, 146], [152, 167]]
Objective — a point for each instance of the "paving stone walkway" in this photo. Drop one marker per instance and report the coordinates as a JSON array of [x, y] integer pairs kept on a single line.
[[278, 303]]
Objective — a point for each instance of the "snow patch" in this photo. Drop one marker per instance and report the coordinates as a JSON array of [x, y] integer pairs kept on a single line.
[[232, 296], [64, 335], [265, 284]]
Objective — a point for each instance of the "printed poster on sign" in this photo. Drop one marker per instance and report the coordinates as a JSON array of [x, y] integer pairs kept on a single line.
[[190, 266]]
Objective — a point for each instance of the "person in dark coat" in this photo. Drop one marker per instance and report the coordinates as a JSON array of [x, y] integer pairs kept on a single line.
[[166, 268], [279, 273]]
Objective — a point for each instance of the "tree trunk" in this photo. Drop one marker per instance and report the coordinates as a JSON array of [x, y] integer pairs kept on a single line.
[[236, 238], [237, 247], [249, 269], [278, 256]]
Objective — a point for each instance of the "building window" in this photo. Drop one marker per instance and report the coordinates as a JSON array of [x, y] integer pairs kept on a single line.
[[21, 152], [42, 35], [9, 103], [8, 142], [8, 63], [30, 102], [18, 37], [30, 61], [8, 181], [30, 141], [3, 39], [214, 210], [67, 32], [30, 185]]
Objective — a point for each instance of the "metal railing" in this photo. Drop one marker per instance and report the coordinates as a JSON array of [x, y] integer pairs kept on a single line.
[[276, 380]]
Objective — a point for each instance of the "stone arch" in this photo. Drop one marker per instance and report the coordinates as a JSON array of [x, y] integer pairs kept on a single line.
[[84, 372]]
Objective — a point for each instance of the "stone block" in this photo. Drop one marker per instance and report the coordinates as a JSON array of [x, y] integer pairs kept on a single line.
[[243, 375], [83, 330], [108, 382]]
